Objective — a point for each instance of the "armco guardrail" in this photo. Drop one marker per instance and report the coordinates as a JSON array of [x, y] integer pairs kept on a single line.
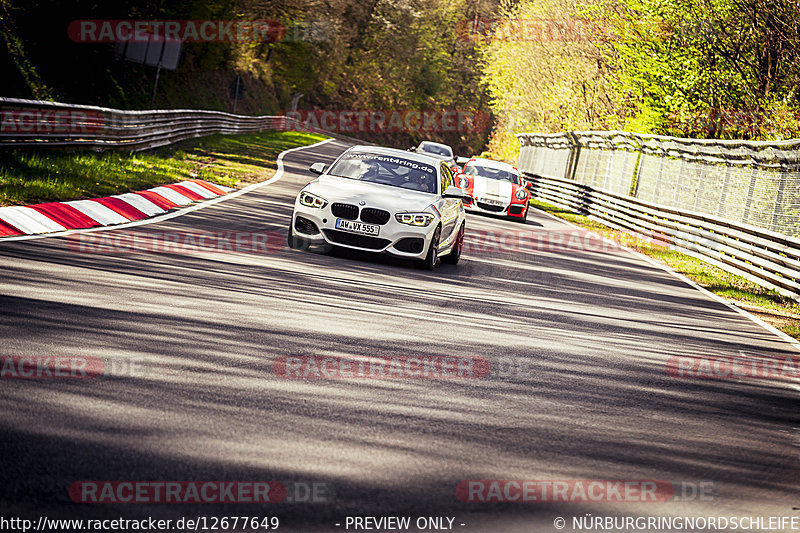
[[33, 123], [680, 190]]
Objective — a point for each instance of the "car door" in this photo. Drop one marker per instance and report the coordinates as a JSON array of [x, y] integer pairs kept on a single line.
[[450, 206]]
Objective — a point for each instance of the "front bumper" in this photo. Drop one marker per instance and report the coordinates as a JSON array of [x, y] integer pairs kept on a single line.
[[317, 226], [511, 209]]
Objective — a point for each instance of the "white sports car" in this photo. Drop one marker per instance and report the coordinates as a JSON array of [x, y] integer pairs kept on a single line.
[[439, 151], [494, 187], [382, 200]]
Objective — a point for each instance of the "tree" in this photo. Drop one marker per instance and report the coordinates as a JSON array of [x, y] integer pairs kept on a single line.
[[545, 72], [709, 68]]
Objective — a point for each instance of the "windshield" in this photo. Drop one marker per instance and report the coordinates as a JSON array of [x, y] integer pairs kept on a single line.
[[435, 149], [491, 173], [386, 170]]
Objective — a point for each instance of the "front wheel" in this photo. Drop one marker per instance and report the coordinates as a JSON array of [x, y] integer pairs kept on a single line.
[[429, 263], [455, 254]]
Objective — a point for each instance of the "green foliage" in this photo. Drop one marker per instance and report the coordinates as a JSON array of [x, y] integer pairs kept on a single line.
[[704, 68], [378, 55], [707, 68], [545, 73], [691, 68], [15, 58]]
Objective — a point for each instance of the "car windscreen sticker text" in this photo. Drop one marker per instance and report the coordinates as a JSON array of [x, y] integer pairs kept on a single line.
[[387, 170]]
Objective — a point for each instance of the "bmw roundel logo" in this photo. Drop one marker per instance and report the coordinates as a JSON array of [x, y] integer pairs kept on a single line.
[[362, 202]]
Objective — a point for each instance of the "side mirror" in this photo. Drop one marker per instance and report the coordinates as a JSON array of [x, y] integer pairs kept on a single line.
[[412, 149], [453, 192], [317, 168]]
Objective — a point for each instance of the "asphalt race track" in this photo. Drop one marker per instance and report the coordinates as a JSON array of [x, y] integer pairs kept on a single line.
[[579, 342]]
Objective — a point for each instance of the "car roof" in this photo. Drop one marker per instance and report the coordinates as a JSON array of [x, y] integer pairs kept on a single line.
[[432, 143], [394, 152], [491, 163]]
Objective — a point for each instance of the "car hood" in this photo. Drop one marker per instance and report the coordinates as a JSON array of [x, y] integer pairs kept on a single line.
[[392, 199], [488, 187]]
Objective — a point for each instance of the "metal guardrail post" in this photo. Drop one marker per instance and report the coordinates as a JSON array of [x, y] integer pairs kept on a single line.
[[574, 155], [726, 185], [777, 208], [750, 191]]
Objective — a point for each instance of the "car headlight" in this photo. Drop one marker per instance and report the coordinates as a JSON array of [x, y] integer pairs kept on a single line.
[[312, 200], [415, 219], [463, 182], [521, 194]]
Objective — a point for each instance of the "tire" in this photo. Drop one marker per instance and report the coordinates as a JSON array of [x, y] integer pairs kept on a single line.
[[455, 254], [430, 261]]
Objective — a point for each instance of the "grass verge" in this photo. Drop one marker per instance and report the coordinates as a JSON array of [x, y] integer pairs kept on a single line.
[[234, 160], [779, 311]]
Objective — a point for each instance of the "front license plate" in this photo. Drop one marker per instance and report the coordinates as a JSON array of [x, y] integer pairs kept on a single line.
[[357, 227], [492, 201]]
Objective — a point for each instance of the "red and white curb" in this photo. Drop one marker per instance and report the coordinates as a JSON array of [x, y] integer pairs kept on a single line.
[[151, 202], [111, 210]]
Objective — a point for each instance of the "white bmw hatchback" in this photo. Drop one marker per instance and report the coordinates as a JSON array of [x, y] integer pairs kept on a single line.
[[382, 200]]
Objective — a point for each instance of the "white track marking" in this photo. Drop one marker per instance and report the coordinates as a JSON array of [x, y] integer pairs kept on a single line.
[[98, 212], [198, 189], [134, 199], [28, 220], [172, 195], [141, 203]]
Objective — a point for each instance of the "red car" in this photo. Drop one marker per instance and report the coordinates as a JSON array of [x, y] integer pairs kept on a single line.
[[496, 188]]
